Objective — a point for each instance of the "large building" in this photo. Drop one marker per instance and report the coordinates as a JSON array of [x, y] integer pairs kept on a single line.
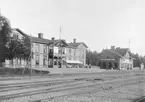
[[46, 53], [116, 58]]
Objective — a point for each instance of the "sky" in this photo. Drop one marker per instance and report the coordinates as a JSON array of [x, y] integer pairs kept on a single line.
[[98, 23]]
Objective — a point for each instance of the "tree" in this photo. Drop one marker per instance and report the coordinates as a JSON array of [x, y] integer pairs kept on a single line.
[[19, 49], [92, 57], [26, 48], [5, 31]]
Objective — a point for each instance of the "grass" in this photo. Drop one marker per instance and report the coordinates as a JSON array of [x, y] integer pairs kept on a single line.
[[19, 71]]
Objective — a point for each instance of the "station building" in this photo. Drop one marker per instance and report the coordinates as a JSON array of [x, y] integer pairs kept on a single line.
[[116, 58]]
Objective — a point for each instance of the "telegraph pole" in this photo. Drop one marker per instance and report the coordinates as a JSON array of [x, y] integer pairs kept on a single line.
[[129, 50], [31, 53]]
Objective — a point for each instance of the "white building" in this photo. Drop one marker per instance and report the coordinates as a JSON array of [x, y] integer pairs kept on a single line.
[[76, 53]]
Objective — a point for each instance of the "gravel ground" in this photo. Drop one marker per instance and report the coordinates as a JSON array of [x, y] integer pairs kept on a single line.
[[123, 94]]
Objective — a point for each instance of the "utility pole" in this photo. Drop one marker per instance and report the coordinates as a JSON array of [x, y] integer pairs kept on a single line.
[[31, 53], [129, 50], [60, 47], [60, 33]]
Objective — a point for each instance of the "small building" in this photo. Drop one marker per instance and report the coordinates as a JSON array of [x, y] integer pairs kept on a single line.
[[116, 58]]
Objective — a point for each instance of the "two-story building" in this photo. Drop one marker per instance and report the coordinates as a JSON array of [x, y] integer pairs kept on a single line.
[[46, 53], [76, 53], [116, 58], [40, 51], [57, 53]]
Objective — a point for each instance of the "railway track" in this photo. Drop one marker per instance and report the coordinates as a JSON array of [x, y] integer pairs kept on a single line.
[[50, 83], [78, 86], [142, 99]]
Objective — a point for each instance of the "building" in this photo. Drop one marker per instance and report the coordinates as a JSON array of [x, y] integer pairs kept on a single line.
[[46, 53], [40, 51], [76, 53], [57, 53], [116, 58]]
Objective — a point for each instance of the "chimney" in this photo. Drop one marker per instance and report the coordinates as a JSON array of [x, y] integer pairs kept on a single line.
[[117, 47], [112, 47], [64, 40], [74, 40], [40, 35], [52, 38]]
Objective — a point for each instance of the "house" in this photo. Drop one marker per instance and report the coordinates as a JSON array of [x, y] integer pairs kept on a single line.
[[76, 53], [116, 58], [57, 53], [40, 51]]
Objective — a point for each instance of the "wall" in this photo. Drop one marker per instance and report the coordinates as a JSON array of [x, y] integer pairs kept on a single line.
[[40, 53], [82, 53], [78, 54]]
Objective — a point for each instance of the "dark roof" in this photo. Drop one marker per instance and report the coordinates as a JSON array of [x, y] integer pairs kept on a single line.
[[107, 54], [121, 51], [33, 39], [40, 40], [54, 42], [20, 31], [113, 54], [77, 44]]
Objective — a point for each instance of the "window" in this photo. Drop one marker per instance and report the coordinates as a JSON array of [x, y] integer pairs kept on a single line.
[[15, 36], [69, 57], [63, 50], [37, 47], [37, 59], [69, 50], [44, 59], [55, 62], [59, 51], [45, 49], [50, 50], [74, 52]]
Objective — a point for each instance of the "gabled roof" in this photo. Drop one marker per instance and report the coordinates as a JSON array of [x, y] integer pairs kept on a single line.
[[116, 53], [20, 31], [108, 54], [121, 51], [77, 44], [54, 42], [33, 39]]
